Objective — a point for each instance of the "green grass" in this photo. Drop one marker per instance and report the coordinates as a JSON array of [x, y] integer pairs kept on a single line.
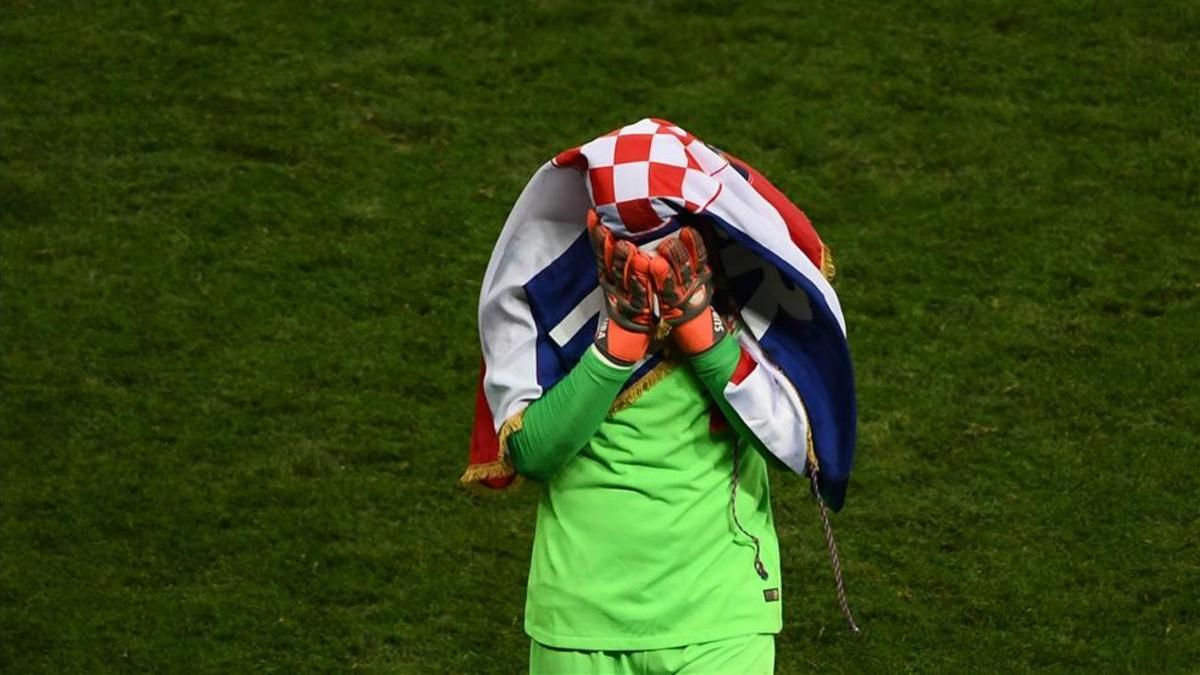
[[241, 248]]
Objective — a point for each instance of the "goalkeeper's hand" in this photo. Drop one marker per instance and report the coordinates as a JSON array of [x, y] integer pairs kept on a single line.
[[683, 282], [623, 334]]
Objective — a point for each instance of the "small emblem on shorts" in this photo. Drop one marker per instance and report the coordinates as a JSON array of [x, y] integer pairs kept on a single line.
[[771, 595]]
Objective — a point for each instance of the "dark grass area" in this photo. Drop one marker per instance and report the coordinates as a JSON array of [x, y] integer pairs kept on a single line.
[[241, 247]]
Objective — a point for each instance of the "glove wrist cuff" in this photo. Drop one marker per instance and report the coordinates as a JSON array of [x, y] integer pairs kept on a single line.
[[620, 345], [700, 333]]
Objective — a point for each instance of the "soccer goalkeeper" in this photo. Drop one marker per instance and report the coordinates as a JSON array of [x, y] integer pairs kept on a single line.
[[655, 550], [720, 345]]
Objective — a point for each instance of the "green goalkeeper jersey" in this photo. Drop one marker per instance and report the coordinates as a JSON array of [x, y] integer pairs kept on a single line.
[[640, 543]]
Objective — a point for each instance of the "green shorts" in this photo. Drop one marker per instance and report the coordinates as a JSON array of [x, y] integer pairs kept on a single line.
[[742, 655]]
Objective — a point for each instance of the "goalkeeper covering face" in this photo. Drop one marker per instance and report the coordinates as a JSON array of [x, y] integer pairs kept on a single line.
[[649, 438], [655, 550]]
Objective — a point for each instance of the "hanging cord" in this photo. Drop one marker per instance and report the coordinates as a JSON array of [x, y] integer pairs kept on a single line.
[[834, 559], [759, 567]]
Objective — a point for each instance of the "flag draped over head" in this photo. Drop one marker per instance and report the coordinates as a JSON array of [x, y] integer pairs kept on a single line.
[[541, 300]]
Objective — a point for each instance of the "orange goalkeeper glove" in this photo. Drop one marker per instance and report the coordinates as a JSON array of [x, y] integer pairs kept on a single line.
[[623, 334], [683, 282]]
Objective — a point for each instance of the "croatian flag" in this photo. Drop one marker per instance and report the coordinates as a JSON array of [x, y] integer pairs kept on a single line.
[[541, 300]]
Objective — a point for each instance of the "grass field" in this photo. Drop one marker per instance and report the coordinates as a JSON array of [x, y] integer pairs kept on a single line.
[[241, 250]]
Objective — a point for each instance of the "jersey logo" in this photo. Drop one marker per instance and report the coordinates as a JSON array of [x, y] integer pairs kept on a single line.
[[771, 595]]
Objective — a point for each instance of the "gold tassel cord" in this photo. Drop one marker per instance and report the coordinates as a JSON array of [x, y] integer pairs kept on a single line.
[[830, 543]]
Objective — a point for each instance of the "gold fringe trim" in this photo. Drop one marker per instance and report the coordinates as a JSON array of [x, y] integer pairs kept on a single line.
[[511, 425], [480, 472], [828, 269], [503, 466], [812, 453], [635, 391], [478, 488]]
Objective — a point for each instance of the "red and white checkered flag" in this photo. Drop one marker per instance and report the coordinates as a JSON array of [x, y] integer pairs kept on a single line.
[[643, 174]]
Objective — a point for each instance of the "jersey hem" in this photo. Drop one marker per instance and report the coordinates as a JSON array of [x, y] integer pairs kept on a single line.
[[667, 641]]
